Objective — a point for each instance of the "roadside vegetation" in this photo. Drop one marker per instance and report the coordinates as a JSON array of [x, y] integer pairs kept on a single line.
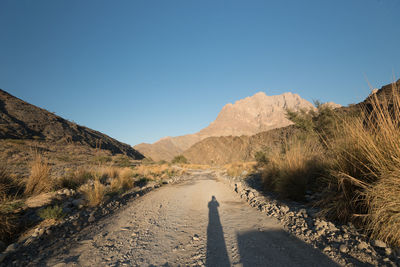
[[349, 158], [103, 177]]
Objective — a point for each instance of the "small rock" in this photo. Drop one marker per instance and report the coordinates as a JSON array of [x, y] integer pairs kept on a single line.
[[78, 203], [196, 237], [66, 192], [41, 232], [379, 244], [327, 248], [362, 245], [91, 218], [12, 247], [284, 208], [60, 264], [343, 248], [388, 251]]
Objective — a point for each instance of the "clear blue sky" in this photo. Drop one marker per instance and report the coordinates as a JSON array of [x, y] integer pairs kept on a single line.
[[141, 70]]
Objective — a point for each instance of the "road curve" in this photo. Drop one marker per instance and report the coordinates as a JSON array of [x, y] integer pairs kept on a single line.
[[199, 222]]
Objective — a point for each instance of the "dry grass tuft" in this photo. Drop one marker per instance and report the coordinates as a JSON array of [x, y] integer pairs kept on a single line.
[[240, 168], [76, 178], [8, 225], [94, 194], [124, 181], [295, 170], [9, 185], [39, 180]]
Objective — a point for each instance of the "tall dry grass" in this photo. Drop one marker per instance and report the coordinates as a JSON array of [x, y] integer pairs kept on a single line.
[[364, 182], [39, 180], [94, 194], [124, 181], [240, 168], [296, 169]]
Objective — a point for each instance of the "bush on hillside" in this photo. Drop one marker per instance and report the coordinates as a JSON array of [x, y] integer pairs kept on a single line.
[[179, 159]]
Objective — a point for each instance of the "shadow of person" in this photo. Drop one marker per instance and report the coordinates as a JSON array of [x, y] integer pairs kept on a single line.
[[217, 254]]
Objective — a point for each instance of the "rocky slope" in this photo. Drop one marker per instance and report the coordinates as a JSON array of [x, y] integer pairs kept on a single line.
[[21, 120], [227, 149], [247, 116]]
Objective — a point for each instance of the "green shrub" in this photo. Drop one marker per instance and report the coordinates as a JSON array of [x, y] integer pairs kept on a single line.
[[180, 159], [261, 158], [75, 179], [143, 181], [54, 212], [122, 161], [101, 159]]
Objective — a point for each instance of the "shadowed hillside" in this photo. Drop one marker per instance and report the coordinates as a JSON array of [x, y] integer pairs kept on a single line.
[[227, 149], [21, 120]]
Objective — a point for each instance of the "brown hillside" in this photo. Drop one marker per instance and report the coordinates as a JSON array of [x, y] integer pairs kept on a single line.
[[21, 120], [227, 149]]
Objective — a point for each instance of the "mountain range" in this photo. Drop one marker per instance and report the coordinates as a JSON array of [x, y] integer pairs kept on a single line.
[[248, 116]]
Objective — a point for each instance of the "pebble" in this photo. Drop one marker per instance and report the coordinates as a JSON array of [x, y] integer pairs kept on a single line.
[[12, 247], [78, 202], [327, 249], [343, 248], [379, 244], [362, 245], [91, 218], [196, 237]]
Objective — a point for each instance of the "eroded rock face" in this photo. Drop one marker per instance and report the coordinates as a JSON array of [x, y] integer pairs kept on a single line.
[[255, 114], [247, 116], [21, 120]]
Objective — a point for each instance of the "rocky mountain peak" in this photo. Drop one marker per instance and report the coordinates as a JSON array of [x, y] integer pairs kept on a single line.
[[246, 116]]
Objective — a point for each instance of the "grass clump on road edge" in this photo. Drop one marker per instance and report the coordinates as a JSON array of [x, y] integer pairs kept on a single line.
[[292, 172], [94, 194]]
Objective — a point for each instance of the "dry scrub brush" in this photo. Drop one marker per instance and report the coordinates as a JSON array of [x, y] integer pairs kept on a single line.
[[124, 181], [39, 180], [296, 169], [94, 194], [365, 178], [240, 168]]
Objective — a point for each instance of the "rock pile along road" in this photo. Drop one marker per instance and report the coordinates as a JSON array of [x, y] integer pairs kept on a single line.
[[197, 222]]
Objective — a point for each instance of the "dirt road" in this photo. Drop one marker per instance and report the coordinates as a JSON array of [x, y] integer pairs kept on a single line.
[[199, 222]]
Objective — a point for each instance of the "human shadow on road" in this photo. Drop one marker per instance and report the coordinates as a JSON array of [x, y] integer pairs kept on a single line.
[[217, 255], [278, 248]]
